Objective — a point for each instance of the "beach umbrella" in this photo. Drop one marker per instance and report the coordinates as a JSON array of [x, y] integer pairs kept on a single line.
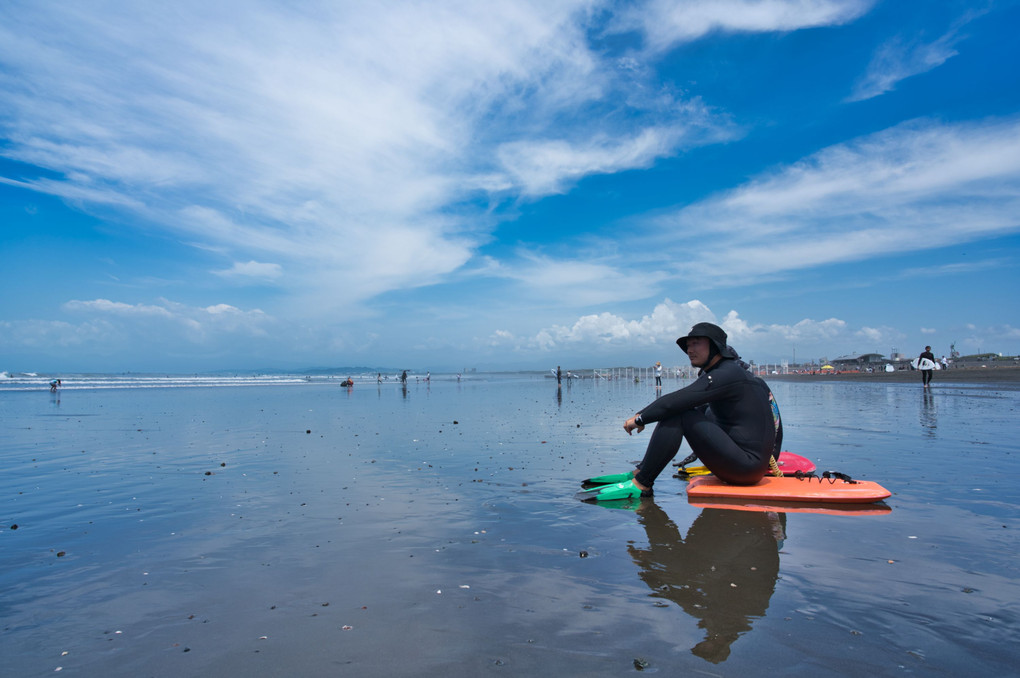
[[828, 367]]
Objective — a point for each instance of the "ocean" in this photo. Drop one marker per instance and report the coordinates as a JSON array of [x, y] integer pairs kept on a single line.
[[284, 525]]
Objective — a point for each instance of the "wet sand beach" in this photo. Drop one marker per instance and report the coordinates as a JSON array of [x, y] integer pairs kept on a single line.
[[996, 374], [310, 530]]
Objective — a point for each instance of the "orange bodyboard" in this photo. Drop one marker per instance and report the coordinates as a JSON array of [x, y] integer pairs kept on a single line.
[[875, 509], [790, 489]]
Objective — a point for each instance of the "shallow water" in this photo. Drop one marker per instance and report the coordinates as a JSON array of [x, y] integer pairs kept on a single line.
[[311, 530]]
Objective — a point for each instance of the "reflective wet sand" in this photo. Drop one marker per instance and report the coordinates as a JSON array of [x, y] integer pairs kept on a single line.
[[311, 530]]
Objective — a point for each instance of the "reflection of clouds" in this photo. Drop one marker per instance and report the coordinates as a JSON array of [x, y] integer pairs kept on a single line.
[[723, 573]]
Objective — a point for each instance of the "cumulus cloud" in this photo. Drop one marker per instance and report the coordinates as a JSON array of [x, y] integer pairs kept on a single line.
[[608, 333], [611, 330]]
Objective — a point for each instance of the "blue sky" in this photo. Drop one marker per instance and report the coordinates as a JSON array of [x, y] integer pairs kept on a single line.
[[192, 186]]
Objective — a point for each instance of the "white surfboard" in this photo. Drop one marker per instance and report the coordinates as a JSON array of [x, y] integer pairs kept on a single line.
[[924, 364]]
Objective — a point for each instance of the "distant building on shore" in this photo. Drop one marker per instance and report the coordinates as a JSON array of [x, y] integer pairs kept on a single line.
[[857, 362]]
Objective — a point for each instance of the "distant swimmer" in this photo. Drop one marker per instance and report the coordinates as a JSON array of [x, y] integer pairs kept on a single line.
[[54, 385]]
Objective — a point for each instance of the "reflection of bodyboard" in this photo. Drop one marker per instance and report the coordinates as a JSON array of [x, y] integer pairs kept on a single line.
[[788, 463], [925, 364], [790, 488], [791, 506]]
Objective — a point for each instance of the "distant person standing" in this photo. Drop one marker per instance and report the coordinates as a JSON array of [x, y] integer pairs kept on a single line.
[[559, 377], [658, 375], [403, 378], [926, 374]]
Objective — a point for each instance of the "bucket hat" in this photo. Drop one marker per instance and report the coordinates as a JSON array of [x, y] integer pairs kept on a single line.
[[713, 333]]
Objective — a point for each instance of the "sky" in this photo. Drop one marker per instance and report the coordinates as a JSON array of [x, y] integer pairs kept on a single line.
[[196, 186]]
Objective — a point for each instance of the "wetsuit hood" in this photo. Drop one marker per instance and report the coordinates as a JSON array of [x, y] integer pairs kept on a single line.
[[713, 333]]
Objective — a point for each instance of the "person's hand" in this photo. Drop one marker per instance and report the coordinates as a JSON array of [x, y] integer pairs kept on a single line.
[[631, 424]]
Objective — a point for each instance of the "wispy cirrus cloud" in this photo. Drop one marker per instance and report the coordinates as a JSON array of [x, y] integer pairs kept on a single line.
[[335, 142], [898, 59], [919, 185], [582, 281], [665, 23]]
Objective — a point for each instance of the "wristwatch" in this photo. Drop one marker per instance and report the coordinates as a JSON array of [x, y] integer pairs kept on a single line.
[[638, 420]]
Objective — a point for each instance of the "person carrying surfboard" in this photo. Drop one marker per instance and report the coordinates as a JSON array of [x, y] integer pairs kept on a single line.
[[726, 416], [927, 368]]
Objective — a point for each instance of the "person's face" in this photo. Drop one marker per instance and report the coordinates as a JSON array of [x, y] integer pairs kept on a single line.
[[698, 351]]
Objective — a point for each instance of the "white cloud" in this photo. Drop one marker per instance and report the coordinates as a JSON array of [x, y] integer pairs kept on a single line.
[[666, 23], [334, 143], [610, 330], [895, 61], [105, 306], [545, 167], [871, 335], [169, 322], [899, 59], [327, 142], [611, 334], [252, 269], [916, 186], [578, 282]]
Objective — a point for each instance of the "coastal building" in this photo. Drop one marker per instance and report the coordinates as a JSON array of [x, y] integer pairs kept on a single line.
[[858, 362]]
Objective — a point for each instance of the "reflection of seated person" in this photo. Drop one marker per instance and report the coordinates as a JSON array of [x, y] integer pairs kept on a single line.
[[723, 548]]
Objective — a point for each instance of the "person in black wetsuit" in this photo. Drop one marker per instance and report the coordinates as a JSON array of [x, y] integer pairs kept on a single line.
[[727, 416], [926, 374]]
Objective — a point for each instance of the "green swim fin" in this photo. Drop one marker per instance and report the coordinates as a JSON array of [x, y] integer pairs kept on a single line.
[[622, 490], [608, 479]]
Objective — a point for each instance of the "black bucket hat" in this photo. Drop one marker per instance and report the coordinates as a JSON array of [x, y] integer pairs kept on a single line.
[[713, 333]]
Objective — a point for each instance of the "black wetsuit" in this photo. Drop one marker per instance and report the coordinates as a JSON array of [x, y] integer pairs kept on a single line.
[[727, 418], [926, 374]]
